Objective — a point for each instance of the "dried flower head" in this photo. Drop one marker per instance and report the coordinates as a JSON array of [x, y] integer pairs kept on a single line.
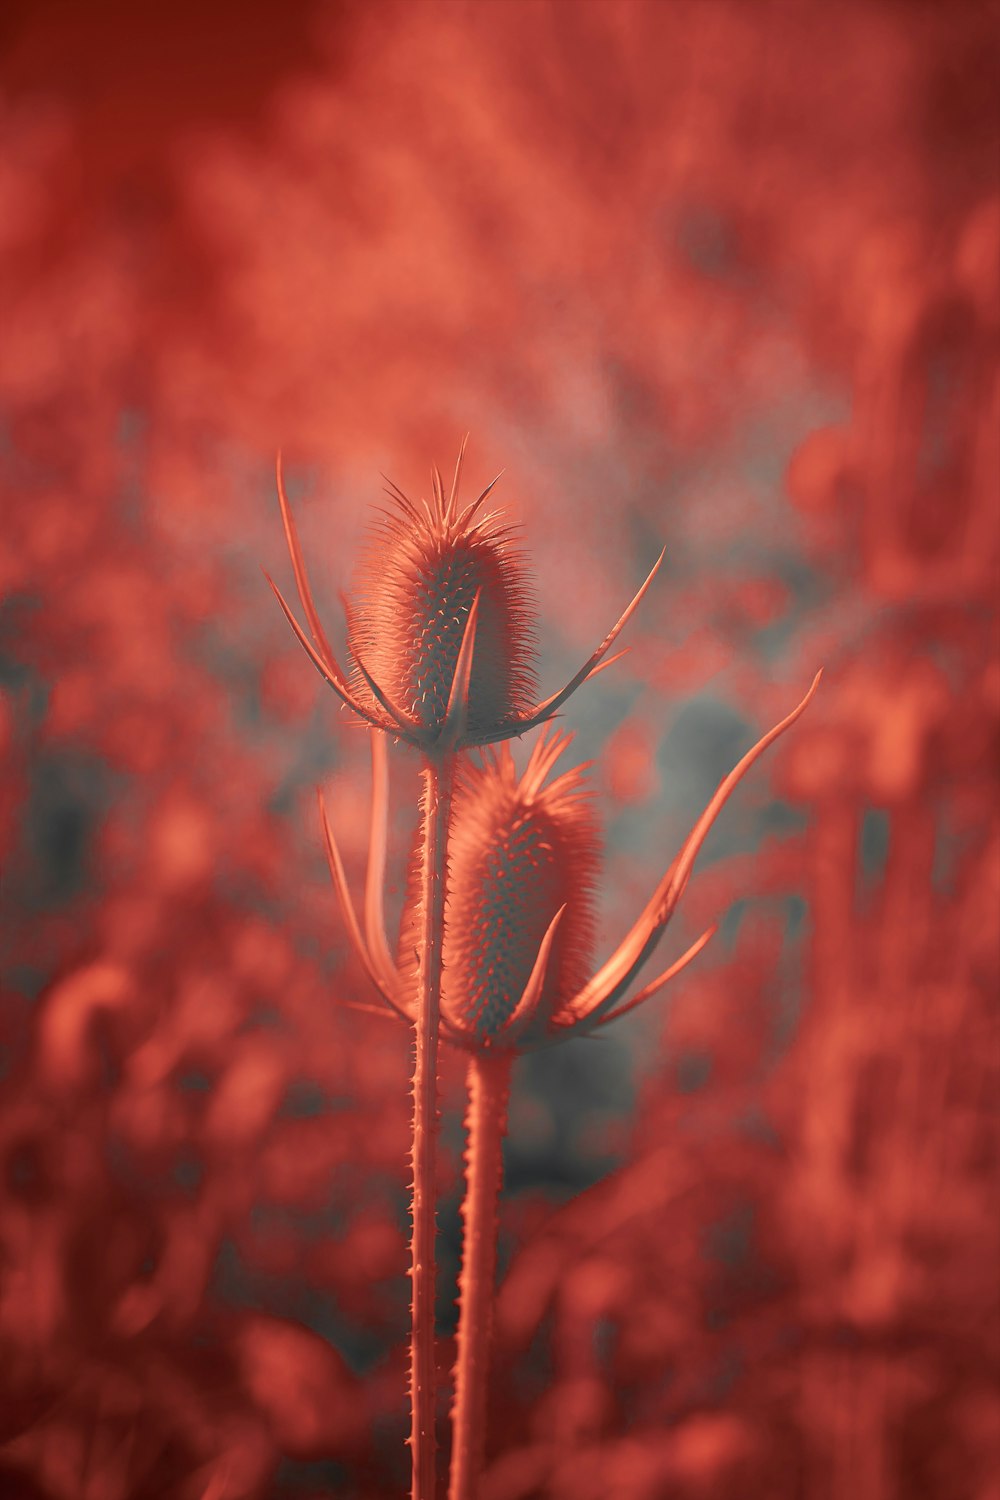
[[523, 859], [416, 588], [440, 630], [519, 912]]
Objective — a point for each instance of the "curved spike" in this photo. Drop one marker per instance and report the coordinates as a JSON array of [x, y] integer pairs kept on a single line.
[[542, 759], [570, 780], [437, 486], [526, 1007], [499, 734], [456, 717], [450, 1033], [371, 1010], [453, 496], [470, 510], [695, 839], [330, 673], [610, 661], [378, 946], [406, 505], [650, 989], [613, 978], [485, 523], [410, 729], [610, 982], [347, 907], [546, 709], [301, 576]]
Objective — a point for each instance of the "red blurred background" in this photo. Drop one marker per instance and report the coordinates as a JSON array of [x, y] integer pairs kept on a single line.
[[722, 275]]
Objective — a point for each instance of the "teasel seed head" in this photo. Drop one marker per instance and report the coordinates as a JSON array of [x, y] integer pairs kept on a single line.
[[424, 572], [440, 628], [523, 856], [519, 907]]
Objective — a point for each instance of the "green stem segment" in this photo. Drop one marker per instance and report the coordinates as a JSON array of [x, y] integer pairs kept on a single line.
[[438, 780], [486, 1126]]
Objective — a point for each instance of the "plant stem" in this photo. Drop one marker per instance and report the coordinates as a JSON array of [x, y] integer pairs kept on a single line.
[[486, 1126], [438, 776]]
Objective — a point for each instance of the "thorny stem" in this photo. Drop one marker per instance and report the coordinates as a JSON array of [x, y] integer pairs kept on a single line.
[[438, 777], [486, 1126]]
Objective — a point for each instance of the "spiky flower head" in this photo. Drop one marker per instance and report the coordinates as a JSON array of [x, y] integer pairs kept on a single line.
[[524, 857], [427, 572], [519, 913], [440, 629]]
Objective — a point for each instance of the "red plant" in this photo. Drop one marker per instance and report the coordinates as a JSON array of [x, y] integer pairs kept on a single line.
[[517, 930], [440, 616], [721, 276]]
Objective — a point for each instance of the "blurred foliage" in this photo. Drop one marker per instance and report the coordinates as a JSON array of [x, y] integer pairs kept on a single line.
[[722, 275]]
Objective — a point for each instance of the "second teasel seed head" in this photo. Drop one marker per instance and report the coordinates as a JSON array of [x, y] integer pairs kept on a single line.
[[519, 921], [523, 855]]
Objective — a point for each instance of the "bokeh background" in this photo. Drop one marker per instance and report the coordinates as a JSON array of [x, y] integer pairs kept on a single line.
[[719, 274]]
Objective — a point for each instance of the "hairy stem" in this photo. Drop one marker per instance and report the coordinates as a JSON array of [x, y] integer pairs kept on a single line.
[[438, 776], [486, 1126]]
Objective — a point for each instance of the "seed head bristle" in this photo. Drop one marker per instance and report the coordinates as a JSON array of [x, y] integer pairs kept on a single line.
[[416, 584]]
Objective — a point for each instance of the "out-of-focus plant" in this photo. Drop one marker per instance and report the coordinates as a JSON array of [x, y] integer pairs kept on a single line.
[[439, 632]]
